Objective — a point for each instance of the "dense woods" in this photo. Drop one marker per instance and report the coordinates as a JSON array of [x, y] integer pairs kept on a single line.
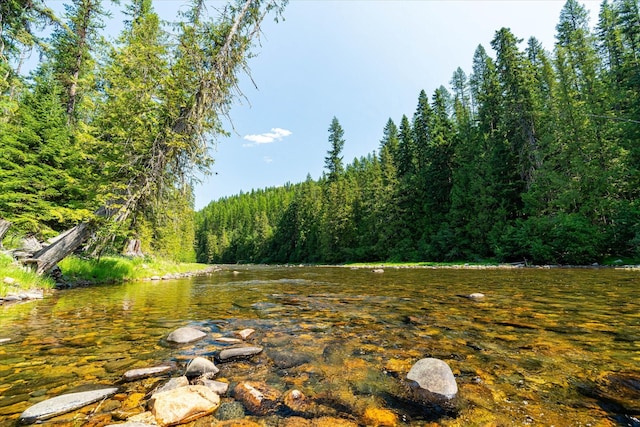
[[105, 138], [534, 155]]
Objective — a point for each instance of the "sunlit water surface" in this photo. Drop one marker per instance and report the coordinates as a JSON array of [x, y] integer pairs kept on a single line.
[[544, 347]]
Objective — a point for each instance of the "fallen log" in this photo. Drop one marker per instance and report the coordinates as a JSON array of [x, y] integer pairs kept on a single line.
[[47, 258]]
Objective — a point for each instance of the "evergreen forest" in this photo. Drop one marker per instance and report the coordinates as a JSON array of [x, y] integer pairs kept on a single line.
[[533, 156]]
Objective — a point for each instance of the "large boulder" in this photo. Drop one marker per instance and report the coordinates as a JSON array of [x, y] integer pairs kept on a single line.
[[62, 404], [184, 404], [432, 381], [185, 335]]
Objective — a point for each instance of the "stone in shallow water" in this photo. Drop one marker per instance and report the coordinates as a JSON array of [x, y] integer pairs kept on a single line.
[[63, 404], [433, 380], [173, 383], [245, 333], [200, 366], [230, 411], [238, 352], [136, 374], [257, 397], [185, 335], [227, 340], [183, 404], [218, 387], [287, 359]]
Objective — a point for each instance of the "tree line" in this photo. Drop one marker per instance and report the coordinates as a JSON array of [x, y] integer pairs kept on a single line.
[[110, 135], [534, 155]]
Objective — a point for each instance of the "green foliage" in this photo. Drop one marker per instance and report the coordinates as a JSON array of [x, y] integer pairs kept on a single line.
[[558, 239]]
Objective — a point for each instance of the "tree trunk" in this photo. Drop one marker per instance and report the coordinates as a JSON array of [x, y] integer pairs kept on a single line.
[[47, 258], [4, 227], [133, 249]]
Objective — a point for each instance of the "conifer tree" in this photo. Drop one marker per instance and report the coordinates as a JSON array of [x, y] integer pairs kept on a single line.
[[333, 161]]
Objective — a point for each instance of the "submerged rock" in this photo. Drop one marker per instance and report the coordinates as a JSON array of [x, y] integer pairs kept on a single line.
[[432, 380], [257, 397], [63, 404], [183, 404], [200, 366], [185, 335], [230, 411], [287, 359]]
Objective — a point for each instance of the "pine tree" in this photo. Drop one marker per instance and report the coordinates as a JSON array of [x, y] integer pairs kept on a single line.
[[333, 161]]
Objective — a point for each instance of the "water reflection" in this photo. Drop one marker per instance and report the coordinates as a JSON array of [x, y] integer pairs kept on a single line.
[[537, 349]]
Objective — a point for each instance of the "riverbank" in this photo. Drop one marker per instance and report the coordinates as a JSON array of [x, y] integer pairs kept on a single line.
[[18, 284]]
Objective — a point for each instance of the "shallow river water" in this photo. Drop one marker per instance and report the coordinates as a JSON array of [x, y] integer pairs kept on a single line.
[[544, 347]]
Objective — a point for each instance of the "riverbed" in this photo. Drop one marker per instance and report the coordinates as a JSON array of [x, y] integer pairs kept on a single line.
[[543, 347]]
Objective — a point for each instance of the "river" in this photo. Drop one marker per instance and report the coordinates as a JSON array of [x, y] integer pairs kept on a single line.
[[543, 347]]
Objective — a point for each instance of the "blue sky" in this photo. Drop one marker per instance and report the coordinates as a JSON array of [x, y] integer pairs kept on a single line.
[[363, 61]]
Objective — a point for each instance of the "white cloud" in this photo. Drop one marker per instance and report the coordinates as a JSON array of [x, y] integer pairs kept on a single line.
[[276, 134], [267, 159]]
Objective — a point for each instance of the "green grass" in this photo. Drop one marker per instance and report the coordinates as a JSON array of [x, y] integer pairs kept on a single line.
[[24, 279], [116, 268]]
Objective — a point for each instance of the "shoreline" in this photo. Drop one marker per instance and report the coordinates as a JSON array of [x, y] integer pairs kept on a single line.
[[25, 295]]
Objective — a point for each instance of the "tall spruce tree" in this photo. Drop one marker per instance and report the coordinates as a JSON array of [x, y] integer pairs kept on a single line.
[[333, 161]]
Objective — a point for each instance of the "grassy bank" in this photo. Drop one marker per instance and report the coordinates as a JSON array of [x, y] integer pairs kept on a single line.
[[13, 278], [117, 269], [75, 270]]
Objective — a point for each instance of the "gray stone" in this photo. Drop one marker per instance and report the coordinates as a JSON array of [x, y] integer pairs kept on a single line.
[[9, 281], [185, 335], [245, 333], [173, 383], [432, 380], [238, 352], [136, 374], [200, 366], [227, 340], [218, 387], [4, 340], [476, 296], [63, 404]]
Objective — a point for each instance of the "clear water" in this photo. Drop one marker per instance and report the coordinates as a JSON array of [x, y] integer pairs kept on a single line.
[[540, 349]]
